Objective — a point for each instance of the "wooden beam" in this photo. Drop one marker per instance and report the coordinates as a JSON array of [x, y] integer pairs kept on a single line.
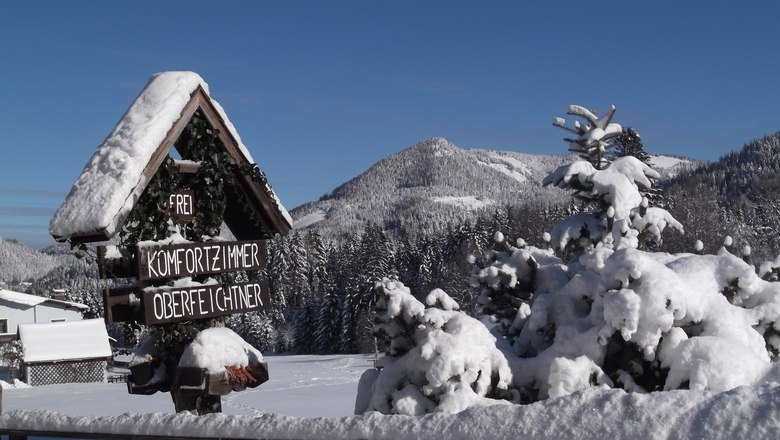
[[187, 166], [268, 205]]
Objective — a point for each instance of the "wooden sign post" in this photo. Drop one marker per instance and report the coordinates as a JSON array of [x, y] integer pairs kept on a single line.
[[159, 305], [178, 287]]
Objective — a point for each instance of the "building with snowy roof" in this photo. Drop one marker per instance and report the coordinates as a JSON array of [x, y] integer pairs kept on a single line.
[[20, 308], [65, 352]]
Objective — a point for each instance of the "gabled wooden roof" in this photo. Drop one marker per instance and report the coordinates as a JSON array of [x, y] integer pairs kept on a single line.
[[121, 168]]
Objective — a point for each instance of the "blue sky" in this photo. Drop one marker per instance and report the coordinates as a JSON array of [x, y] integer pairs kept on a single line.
[[319, 91]]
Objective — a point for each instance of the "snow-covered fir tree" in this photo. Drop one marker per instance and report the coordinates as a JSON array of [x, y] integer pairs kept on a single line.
[[613, 315], [438, 358], [629, 143]]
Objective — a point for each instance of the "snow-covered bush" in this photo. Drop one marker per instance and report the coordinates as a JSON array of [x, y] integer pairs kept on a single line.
[[438, 358], [615, 315]]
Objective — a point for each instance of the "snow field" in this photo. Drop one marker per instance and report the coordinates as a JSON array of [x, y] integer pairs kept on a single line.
[[594, 413]]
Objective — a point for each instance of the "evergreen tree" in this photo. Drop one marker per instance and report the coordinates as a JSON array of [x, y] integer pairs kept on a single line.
[[298, 272], [617, 316], [278, 269], [629, 143], [11, 355], [593, 138], [326, 335]]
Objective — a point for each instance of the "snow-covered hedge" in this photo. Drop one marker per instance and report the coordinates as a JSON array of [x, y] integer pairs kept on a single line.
[[439, 359], [637, 320], [618, 316], [592, 309]]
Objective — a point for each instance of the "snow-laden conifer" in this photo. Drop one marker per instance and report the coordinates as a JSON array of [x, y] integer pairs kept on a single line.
[[438, 359], [601, 311]]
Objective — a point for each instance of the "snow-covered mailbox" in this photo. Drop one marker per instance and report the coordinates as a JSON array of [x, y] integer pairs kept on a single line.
[[166, 211], [65, 352]]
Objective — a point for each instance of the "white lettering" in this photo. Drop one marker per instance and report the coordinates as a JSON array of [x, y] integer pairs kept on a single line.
[[186, 309], [198, 260], [189, 258], [214, 262], [255, 255], [168, 306], [201, 302], [158, 311]]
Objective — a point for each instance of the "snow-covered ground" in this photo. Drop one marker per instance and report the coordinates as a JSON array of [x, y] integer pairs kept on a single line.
[[313, 397], [508, 166], [300, 386], [310, 219], [470, 203]]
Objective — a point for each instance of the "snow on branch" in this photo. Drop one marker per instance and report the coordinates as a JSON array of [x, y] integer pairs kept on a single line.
[[594, 138], [449, 361]]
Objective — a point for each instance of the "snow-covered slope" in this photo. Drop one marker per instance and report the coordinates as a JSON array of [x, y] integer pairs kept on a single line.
[[429, 184], [19, 263], [434, 182]]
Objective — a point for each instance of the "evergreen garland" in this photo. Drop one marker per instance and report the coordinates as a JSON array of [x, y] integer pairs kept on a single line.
[[217, 178]]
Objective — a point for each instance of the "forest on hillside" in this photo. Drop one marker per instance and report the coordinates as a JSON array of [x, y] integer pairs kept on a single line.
[[322, 285]]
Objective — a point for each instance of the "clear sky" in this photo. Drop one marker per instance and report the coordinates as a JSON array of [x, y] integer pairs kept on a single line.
[[320, 90]]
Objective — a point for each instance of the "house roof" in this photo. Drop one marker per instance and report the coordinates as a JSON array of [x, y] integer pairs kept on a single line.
[[122, 166], [61, 341], [33, 300]]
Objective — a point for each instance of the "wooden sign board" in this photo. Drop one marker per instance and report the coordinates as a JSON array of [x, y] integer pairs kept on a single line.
[[173, 304], [182, 205], [190, 259]]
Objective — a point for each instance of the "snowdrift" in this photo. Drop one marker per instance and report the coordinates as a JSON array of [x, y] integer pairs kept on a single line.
[[745, 412]]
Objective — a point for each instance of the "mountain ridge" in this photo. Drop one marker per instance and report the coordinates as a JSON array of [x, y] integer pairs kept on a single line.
[[434, 182]]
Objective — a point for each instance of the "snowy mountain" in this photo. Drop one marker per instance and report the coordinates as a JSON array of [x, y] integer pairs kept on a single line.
[[426, 185], [741, 193], [435, 182], [18, 263]]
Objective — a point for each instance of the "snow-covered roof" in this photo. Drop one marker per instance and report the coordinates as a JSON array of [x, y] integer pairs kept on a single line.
[[58, 341], [111, 182], [34, 300]]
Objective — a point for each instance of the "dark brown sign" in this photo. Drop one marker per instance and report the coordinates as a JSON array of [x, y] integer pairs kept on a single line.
[[121, 305], [182, 205], [172, 304], [181, 260]]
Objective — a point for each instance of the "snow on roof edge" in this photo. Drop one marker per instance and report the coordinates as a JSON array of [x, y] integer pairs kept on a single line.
[[116, 168], [34, 300], [69, 340], [21, 298]]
